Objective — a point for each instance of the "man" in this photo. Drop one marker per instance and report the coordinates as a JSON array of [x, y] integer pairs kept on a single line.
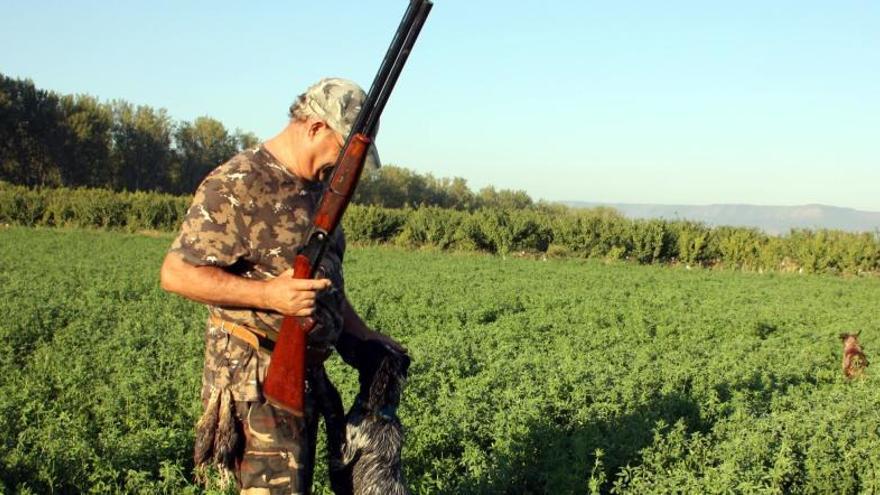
[[234, 253]]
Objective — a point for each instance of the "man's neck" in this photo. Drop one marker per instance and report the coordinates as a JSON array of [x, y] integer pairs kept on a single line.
[[283, 148]]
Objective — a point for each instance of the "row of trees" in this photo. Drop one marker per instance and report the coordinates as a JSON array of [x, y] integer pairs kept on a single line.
[[52, 140], [550, 229], [47, 139], [397, 187]]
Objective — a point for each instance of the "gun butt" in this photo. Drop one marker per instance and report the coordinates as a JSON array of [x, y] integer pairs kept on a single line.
[[285, 383]]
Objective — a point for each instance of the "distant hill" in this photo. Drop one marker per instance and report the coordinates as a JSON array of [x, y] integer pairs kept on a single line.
[[771, 219]]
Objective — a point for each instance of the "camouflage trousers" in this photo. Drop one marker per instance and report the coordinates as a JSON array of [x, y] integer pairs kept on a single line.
[[267, 449], [278, 454]]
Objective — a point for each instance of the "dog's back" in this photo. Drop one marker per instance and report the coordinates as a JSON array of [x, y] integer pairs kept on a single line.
[[854, 360]]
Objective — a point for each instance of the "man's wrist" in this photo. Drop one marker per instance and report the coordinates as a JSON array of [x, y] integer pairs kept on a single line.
[[262, 295]]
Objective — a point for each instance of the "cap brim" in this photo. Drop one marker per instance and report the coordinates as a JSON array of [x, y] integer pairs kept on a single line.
[[372, 161]]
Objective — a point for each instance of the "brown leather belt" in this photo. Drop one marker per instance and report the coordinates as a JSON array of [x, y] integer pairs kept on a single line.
[[264, 340]]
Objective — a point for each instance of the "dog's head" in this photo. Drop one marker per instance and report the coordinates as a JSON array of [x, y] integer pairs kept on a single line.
[[850, 340]]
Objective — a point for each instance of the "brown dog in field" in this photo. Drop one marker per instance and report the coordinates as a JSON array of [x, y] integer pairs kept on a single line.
[[854, 360]]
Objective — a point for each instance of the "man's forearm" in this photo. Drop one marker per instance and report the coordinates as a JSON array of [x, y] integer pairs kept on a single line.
[[211, 285]]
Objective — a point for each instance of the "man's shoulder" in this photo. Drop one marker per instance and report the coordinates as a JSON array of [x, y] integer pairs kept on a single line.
[[246, 166], [252, 172]]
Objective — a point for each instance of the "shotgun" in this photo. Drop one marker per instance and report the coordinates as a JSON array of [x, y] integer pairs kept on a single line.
[[284, 386]]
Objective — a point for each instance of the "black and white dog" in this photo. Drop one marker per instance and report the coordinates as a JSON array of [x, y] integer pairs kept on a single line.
[[365, 451]]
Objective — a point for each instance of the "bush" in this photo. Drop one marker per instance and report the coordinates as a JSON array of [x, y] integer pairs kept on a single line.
[[651, 241], [20, 205], [737, 247], [371, 224], [430, 226], [691, 242]]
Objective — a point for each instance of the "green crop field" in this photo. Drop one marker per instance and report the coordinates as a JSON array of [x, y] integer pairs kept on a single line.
[[529, 376]]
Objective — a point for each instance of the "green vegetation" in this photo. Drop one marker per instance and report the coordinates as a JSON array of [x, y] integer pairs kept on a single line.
[[529, 376], [504, 228]]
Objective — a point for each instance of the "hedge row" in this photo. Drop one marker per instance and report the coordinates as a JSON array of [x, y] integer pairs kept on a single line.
[[605, 234], [83, 207], [555, 231]]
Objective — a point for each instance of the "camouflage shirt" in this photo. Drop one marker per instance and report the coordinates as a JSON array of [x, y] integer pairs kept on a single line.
[[249, 216]]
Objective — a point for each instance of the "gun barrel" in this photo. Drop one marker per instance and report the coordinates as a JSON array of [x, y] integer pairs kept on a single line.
[[390, 68], [394, 72]]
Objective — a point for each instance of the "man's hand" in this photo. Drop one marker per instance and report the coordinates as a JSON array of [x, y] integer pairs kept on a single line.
[[292, 296]]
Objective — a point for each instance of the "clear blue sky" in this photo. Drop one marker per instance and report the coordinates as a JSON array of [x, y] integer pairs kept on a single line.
[[685, 102]]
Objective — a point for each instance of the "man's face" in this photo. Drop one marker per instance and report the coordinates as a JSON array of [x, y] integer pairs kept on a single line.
[[327, 145]]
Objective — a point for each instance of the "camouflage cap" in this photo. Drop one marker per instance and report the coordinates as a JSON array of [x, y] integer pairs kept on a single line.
[[337, 101]]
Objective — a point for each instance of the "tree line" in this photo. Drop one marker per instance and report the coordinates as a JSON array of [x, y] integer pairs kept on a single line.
[[398, 187], [53, 140]]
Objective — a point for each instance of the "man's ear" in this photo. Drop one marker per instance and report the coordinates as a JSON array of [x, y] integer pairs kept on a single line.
[[315, 127]]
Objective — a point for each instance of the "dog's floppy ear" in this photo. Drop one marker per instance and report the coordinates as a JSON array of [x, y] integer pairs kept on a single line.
[[843, 336]]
